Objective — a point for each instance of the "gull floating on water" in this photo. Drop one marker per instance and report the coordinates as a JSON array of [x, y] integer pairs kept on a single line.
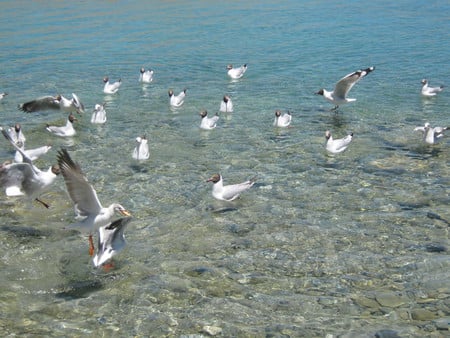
[[282, 120], [226, 105], [431, 135], [84, 197], [228, 192], [64, 131], [339, 95], [208, 123], [16, 134], [177, 100], [111, 88], [338, 145], [236, 73], [25, 178], [99, 114], [57, 102], [111, 241], [2, 95], [141, 151], [430, 91], [146, 76]]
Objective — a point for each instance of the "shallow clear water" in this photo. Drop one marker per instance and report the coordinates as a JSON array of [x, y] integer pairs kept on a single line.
[[348, 245]]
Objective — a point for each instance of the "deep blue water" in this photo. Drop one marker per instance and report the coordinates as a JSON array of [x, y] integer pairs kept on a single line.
[[296, 255]]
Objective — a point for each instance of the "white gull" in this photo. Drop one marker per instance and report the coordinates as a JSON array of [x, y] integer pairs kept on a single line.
[[336, 146], [339, 95], [64, 131], [431, 135], [430, 91], [236, 73], [208, 122], [111, 88], [228, 192], [146, 76], [226, 105], [111, 241], [282, 120], [141, 151]]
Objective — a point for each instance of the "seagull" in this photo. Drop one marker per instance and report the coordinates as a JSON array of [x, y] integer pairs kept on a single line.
[[339, 95], [228, 192], [84, 197], [70, 105], [430, 91], [177, 100], [431, 135], [32, 154], [99, 114], [64, 131], [111, 88], [236, 73], [16, 134], [282, 120], [208, 123], [146, 76], [226, 105], [111, 241], [339, 145], [141, 151], [57, 102], [2, 95], [25, 178]]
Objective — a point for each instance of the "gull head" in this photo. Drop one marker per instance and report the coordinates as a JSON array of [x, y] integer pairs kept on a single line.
[[327, 134], [320, 92], [277, 113], [214, 178], [105, 79], [55, 169], [424, 81], [121, 210], [203, 113], [170, 92], [230, 66]]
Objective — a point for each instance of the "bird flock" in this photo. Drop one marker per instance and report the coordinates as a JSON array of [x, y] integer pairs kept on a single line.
[[20, 177]]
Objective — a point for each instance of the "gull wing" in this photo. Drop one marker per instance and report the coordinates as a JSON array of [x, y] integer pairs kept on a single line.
[[40, 104], [78, 104], [26, 159], [80, 190], [344, 85]]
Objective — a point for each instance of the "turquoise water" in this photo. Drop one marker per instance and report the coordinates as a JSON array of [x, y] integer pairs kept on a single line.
[[349, 245]]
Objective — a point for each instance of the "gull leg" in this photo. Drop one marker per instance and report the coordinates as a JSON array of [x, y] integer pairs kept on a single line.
[[43, 203], [108, 266], [91, 246]]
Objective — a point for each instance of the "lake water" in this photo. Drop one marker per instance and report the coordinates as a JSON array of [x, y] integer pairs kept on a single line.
[[351, 245]]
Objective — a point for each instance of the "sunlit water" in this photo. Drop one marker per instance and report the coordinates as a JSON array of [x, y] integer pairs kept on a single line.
[[349, 245]]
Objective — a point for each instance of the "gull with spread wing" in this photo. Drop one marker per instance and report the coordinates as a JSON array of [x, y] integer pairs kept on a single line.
[[338, 96], [25, 178], [111, 241]]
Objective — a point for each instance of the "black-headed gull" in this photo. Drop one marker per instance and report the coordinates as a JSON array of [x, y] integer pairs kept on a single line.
[[111, 88], [146, 76], [339, 95], [226, 105], [177, 100], [2, 95], [25, 178], [431, 135], [64, 131], [208, 122], [141, 151], [16, 134], [84, 197], [99, 114], [282, 120], [338, 145], [236, 73], [228, 192], [430, 91], [57, 102], [111, 241]]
